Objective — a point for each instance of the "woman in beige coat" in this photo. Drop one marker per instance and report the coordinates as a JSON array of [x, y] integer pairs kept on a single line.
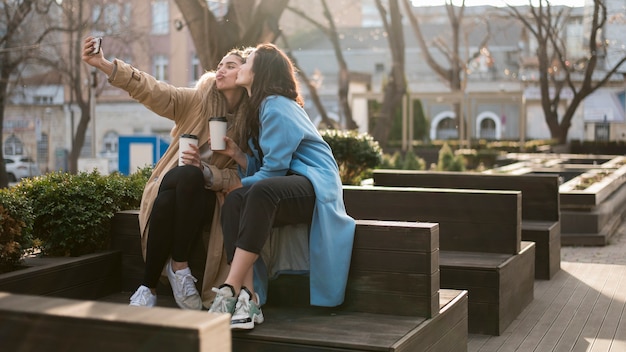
[[205, 178]]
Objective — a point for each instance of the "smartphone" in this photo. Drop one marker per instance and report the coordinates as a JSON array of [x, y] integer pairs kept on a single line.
[[97, 44]]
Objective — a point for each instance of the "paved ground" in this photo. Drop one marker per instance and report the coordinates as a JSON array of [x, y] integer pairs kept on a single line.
[[614, 253]]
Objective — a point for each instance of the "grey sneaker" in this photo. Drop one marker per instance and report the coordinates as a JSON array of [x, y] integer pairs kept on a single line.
[[247, 312], [224, 301], [184, 288], [143, 297]]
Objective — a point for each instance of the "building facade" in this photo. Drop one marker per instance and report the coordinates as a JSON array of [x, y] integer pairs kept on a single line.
[[500, 96]]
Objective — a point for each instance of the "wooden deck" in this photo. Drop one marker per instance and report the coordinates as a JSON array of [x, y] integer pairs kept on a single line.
[[582, 308]]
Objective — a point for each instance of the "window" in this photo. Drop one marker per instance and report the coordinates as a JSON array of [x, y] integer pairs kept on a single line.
[[160, 17], [160, 67], [42, 150], [42, 99], [110, 142], [13, 146]]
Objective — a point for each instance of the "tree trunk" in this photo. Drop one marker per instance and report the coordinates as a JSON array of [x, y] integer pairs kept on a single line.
[[396, 86], [243, 25], [4, 178]]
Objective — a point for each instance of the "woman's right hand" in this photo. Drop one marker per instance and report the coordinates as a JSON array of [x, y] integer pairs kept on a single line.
[[96, 60], [88, 57]]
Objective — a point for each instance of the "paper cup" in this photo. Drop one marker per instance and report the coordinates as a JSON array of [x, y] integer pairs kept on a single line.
[[217, 126], [183, 145]]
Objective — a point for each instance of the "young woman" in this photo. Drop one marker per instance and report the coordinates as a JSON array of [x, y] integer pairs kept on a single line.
[[289, 176], [178, 201]]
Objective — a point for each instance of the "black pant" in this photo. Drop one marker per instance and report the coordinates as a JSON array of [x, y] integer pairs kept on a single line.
[[249, 213], [180, 210]]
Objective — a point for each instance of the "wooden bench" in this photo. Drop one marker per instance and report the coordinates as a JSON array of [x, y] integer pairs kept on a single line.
[[37, 323], [540, 205], [480, 244], [393, 299]]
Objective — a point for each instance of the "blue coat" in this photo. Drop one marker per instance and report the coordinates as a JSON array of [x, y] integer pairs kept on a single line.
[[290, 141]]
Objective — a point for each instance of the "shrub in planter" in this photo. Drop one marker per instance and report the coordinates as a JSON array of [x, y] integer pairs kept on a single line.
[[72, 213], [448, 161], [16, 229], [356, 154], [409, 161]]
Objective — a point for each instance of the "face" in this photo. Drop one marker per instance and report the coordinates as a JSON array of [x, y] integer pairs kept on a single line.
[[226, 73], [245, 75]]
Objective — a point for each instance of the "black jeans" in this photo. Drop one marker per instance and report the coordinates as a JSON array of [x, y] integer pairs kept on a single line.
[[249, 213], [180, 210]]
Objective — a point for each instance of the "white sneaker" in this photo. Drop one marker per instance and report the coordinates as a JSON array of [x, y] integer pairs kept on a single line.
[[143, 297], [224, 301], [184, 288], [247, 312]]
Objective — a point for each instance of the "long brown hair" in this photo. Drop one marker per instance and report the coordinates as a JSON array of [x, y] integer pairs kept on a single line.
[[274, 74]]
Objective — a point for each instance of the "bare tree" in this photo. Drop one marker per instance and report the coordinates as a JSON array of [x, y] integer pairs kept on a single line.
[[344, 74], [395, 88], [556, 70], [20, 39], [246, 23], [452, 72], [77, 20]]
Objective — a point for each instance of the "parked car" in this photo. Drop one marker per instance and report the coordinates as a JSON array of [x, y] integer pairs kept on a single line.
[[20, 166]]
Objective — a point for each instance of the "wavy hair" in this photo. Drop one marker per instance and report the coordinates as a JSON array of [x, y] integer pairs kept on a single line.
[[274, 74]]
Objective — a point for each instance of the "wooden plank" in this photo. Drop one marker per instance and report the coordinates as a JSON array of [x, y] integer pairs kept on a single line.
[[394, 261], [619, 337], [469, 220], [540, 193], [76, 325], [516, 285], [330, 328], [547, 237], [88, 276], [384, 282], [445, 332], [396, 235]]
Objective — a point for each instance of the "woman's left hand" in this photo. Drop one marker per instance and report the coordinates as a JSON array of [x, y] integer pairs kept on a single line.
[[233, 151]]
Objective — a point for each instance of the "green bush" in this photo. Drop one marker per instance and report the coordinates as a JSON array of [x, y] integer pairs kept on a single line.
[[409, 161], [356, 154], [448, 161], [72, 213], [16, 229]]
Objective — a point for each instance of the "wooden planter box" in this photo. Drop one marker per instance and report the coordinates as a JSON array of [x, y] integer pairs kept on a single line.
[[589, 217], [89, 276], [592, 215]]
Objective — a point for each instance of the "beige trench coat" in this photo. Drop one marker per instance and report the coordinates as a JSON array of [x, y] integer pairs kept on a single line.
[[183, 106]]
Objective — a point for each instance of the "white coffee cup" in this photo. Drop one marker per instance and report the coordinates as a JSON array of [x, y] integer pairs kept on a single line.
[[183, 145], [217, 126]]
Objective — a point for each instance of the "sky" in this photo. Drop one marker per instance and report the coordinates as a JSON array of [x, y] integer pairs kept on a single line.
[[575, 3]]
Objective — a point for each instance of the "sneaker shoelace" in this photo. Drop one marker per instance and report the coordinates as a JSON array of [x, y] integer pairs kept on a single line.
[[243, 306], [140, 297], [188, 285], [220, 304]]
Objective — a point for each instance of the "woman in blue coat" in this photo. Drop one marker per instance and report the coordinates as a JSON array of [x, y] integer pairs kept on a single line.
[[288, 176]]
